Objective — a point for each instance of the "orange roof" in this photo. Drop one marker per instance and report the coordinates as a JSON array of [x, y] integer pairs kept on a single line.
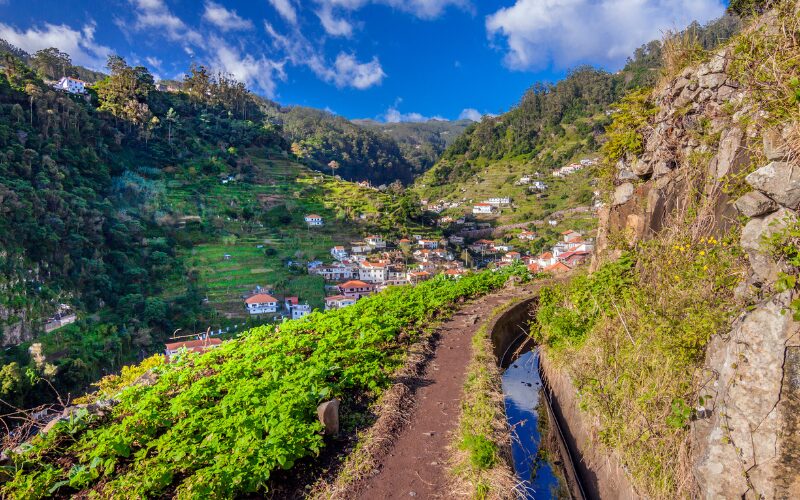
[[293, 300], [313, 216], [354, 284], [485, 242], [260, 298], [558, 267], [546, 255], [576, 239], [454, 271], [333, 298], [534, 268], [569, 231], [483, 204], [194, 345], [421, 273]]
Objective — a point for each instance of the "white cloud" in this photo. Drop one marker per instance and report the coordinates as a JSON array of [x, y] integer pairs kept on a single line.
[[79, 44], [224, 19], [345, 71], [153, 62], [424, 9], [286, 10], [393, 115], [335, 26], [348, 72], [565, 32], [154, 15], [471, 114], [252, 71]]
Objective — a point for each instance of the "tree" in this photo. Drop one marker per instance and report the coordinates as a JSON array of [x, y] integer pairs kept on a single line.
[[124, 93], [171, 118], [17, 113], [333, 165], [51, 63]]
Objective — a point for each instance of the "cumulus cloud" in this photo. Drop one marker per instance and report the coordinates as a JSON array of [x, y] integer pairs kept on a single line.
[[345, 71], [394, 115], [286, 10], [260, 72], [562, 33], [79, 44], [155, 15], [224, 19], [471, 114]]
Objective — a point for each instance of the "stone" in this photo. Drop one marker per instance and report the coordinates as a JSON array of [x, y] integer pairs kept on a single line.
[[725, 93], [764, 266], [623, 194], [718, 61], [712, 80], [730, 153], [780, 181], [328, 414], [679, 85], [746, 443], [642, 167], [755, 204], [662, 168], [775, 145]]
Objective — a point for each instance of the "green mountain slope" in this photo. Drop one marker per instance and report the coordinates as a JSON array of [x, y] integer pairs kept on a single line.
[[422, 143]]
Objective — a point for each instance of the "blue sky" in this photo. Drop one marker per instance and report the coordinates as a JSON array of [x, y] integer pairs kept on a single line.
[[383, 59]]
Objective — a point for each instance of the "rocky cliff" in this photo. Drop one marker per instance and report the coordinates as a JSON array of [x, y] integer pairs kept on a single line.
[[717, 158]]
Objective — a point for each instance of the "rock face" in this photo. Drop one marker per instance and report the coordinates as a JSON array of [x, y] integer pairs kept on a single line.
[[748, 446], [746, 441]]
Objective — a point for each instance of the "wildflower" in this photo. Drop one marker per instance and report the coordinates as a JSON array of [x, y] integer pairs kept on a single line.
[[702, 252]]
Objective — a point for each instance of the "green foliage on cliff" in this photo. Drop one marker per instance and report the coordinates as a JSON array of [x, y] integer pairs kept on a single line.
[[223, 423]]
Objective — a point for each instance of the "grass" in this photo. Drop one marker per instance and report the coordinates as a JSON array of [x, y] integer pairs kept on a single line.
[[479, 463]]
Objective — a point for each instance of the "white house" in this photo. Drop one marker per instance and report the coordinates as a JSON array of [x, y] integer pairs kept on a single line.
[[456, 240], [300, 311], [338, 302], [372, 272], [527, 235], [313, 220], [511, 257], [338, 252], [360, 247], [71, 85], [429, 244], [525, 179], [538, 186], [261, 303], [375, 241], [482, 208], [499, 201]]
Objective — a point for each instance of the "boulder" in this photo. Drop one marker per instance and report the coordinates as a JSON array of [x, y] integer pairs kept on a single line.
[[780, 181], [764, 266], [755, 204], [718, 62], [328, 414], [622, 194], [712, 80], [641, 167]]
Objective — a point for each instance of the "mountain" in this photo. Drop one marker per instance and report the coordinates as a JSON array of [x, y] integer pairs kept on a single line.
[[319, 137], [422, 143]]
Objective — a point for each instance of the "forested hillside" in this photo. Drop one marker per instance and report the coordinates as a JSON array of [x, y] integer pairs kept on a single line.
[[78, 177], [318, 138], [422, 143]]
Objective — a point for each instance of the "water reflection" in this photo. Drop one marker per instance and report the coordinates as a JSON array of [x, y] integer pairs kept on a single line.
[[536, 465]]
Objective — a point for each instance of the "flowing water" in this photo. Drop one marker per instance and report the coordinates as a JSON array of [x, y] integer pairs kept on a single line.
[[536, 459]]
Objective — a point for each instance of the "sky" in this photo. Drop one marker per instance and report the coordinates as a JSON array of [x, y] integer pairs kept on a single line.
[[389, 60]]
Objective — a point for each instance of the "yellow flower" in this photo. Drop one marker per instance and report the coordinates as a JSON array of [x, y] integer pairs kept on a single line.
[[705, 268], [702, 252]]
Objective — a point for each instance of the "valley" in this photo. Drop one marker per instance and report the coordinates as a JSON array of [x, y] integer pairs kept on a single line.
[[206, 293]]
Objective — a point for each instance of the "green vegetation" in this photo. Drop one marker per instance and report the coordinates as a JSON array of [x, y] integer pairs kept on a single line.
[[784, 246], [632, 334], [222, 423], [624, 134]]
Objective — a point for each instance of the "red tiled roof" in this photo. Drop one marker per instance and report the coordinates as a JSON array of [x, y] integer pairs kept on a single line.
[[313, 216], [293, 300], [483, 204], [558, 267], [546, 255], [260, 298]]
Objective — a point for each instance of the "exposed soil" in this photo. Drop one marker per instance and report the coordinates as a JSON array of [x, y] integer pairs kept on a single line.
[[416, 464]]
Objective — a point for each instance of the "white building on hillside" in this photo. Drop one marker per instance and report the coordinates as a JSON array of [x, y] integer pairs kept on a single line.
[[482, 208], [503, 201], [339, 252], [372, 272], [313, 220], [71, 85], [300, 310], [261, 303]]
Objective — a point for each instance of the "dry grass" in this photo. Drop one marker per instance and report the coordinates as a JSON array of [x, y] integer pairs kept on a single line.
[[679, 50]]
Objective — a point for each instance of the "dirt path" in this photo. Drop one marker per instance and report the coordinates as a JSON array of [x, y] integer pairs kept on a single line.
[[416, 465]]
